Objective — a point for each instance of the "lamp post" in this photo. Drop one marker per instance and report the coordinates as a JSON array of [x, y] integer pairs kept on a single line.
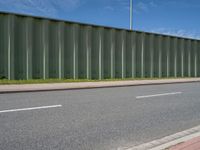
[[131, 14]]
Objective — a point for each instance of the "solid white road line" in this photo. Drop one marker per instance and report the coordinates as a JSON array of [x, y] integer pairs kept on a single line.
[[156, 95], [32, 108]]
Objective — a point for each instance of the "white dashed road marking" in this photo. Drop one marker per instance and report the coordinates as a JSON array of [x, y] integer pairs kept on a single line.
[[32, 108], [157, 95]]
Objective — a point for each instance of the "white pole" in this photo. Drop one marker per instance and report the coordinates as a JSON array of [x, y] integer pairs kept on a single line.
[[131, 14]]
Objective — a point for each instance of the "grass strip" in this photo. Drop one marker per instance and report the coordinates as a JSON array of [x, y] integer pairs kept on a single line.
[[40, 81]]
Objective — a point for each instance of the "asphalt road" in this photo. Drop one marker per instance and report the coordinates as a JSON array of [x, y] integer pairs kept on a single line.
[[97, 119]]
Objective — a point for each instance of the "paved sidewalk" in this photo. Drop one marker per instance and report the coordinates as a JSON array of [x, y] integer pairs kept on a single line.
[[88, 85], [193, 144]]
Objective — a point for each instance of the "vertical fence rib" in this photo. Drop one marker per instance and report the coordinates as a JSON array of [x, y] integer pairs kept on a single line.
[[198, 58], [88, 49], [133, 58], [100, 54], [10, 30], [112, 54], [75, 52], [195, 58], [61, 50], [160, 57], [27, 49], [175, 57], [44, 53], [45, 49], [28, 46], [9, 47], [123, 55], [152, 56], [182, 58], [189, 58], [142, 55], [168, 56]]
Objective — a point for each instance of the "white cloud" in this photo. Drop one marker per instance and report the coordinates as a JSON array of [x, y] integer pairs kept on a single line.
[[109, 8], [142, 6], [180, 4], [145, 6], [178, 32], [153, 4], [40, 7]]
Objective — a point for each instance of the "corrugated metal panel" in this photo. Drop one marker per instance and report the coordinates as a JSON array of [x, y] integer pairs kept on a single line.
[[36, 48]]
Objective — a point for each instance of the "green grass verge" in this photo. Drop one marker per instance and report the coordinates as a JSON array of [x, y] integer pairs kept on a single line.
[[40, 81]]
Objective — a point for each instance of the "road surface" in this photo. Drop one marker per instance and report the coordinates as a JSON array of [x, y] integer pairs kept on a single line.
[[97, 119]]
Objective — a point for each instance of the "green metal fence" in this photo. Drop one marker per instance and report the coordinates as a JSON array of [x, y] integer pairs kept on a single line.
[[40, 48]]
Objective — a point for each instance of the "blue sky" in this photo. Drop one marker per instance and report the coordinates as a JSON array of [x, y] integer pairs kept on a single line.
[[174, 17]]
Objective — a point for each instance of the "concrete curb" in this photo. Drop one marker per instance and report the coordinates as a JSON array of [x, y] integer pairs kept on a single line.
[[168, 141], [5, 89]]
